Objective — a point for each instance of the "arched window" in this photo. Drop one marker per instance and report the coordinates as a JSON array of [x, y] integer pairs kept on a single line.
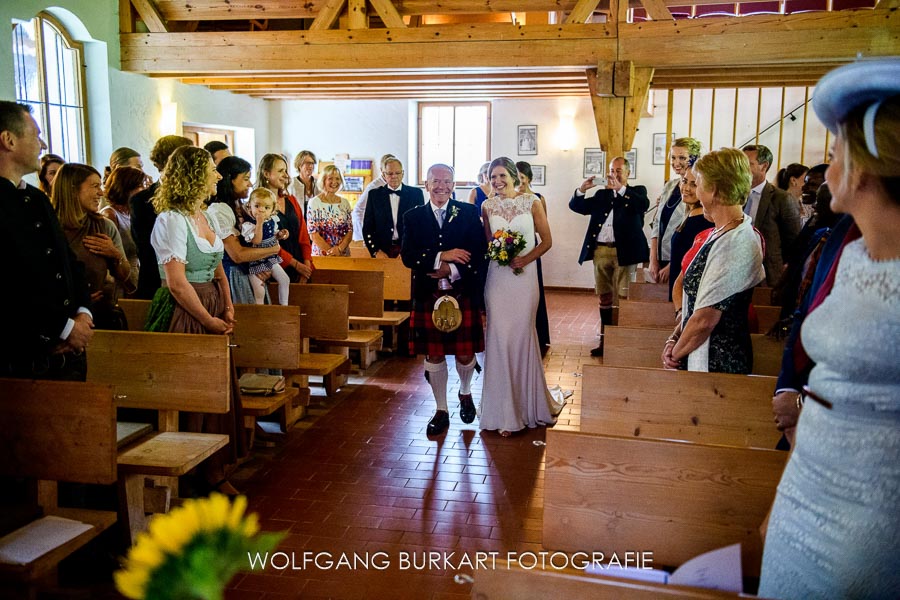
[[50, 77]]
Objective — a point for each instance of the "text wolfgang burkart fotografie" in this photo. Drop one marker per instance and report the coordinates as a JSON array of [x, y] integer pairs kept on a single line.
[[444, 560]]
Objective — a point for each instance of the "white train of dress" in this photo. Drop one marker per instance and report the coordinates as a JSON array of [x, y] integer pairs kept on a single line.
[[515, 393]]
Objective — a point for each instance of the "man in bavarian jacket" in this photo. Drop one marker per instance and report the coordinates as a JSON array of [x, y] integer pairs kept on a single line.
[[615, 239]]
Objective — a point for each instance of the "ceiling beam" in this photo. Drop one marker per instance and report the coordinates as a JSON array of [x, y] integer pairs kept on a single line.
[[657, 10], [388, 14], [328, 15], [146, 10]]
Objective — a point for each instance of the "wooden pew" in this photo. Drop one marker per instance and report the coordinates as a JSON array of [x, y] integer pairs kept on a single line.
[[677, 499], [762, 295], [397, 290], [648, 292], [166, 372], [324, 313], [56, 431], [711, 408], [512, 581], [267, 336], [366, 301], [642, 347], [638, 313]]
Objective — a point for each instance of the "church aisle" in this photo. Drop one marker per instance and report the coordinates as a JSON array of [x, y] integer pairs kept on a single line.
[[357, 480]]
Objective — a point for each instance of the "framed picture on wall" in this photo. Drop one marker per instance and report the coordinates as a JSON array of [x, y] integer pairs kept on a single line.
[[539, 173], [353, 183], [660, 148], [527, 140], [594, 163], [631, 157]]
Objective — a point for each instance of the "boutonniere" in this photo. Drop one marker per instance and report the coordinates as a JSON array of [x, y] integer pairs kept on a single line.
[[453, 212]]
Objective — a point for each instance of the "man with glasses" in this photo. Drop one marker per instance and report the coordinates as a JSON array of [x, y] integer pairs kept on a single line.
[[382, 221], [359, 210]]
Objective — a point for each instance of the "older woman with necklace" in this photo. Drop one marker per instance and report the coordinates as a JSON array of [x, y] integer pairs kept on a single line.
[[329, 217], [714, 333]]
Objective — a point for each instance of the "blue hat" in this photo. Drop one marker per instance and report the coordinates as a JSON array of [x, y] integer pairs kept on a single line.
[[864, 83]]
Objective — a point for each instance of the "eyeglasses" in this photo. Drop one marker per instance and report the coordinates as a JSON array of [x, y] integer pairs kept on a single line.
[[308, 163], [392, 173]]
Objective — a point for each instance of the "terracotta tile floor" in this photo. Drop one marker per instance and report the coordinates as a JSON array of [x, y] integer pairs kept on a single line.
[[358, 475]]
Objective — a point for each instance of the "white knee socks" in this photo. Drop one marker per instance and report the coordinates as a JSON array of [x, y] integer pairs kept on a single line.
[[437, 377], [465, 375]]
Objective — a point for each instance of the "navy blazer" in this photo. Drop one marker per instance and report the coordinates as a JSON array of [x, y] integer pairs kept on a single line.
[[53, 286], [423, 239], [378, 220], [628, 222], [143, 218]]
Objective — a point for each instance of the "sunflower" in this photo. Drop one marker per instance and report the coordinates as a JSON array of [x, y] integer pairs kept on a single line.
[[193, 551]]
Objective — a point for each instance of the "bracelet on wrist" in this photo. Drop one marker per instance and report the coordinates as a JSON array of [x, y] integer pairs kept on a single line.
[[799, 402]]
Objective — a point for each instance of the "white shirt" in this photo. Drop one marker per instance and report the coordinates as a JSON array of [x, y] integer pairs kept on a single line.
[[395, 206], [606, 235], [359, 211], [753, 201], [454, 272]]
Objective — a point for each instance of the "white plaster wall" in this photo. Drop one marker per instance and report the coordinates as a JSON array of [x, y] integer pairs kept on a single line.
[[364, 129]]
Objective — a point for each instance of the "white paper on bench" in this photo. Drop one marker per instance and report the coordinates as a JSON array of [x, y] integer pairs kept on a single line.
[[718, 569], [39, 537]]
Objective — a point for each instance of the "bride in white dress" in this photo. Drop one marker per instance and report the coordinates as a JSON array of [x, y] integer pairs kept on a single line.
[[515, 392]]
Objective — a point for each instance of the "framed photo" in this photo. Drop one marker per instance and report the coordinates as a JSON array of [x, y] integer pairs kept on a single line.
[[353, 183], [594, 163], [527, 140], [631, 157], [540, 174], [660, 148]]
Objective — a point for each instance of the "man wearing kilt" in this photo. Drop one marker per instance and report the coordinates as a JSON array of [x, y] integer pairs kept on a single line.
[[444, 246]]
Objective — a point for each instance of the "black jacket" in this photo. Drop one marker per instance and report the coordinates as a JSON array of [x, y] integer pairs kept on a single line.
[[423, 240], [143, 218], [52, 286], [628, 222], [378, 221]]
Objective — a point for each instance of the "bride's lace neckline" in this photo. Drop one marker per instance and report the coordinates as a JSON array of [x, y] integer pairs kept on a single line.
[[509, 208]]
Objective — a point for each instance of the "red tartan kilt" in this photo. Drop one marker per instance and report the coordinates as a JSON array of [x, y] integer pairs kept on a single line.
[[425, 338]]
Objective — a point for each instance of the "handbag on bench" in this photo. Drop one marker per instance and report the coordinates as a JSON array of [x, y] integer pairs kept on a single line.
[[258, 384]]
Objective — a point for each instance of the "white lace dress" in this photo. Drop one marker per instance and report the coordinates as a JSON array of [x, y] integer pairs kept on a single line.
[[835, 523], [515, 393]]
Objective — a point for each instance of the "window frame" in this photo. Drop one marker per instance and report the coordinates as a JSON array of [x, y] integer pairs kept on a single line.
[[487, 151], [79, 74]]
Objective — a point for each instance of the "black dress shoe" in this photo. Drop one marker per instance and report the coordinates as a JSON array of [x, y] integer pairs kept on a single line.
[[439, 423], [466, 408], [598, 351]]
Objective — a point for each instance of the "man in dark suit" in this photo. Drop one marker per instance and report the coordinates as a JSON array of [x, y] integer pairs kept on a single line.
[[47, 323], [774, 214], [615, 240], [143, 217], [444, 246], [382, 231]]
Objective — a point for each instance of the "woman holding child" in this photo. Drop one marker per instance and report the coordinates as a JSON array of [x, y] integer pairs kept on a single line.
[[296, 248]]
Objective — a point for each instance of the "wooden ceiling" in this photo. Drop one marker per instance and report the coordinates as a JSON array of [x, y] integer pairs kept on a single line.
[[484, 49]]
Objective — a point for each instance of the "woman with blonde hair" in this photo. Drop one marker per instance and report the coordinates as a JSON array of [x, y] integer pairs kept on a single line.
[[296, 248], [833, 527], [303, 186], [195, 296], [329, 218], [714, 332], [94, 240]]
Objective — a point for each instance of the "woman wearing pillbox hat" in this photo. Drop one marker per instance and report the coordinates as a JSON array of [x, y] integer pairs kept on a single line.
[[835, 524]]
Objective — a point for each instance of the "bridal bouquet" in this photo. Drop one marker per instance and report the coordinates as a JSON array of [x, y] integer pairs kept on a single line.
[[505, 246]]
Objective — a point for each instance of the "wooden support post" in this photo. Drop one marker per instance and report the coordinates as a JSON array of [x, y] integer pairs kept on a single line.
[[657, 10], [582, 11], [328, 15], [358, 18], [388, 13], [126, 18], [150, 16]]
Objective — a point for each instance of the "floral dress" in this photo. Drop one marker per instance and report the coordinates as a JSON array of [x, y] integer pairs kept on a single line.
[[331, 221]]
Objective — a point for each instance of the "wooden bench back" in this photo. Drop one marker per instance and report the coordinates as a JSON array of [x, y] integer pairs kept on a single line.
[[266, 336], [712, 408], [642, 347], [135, 313], [324, 309], [762, 295], [643, 313], [766, 316], [366, 289], [397, 278], [163, 371], [58, 430], [648, 292], [613, 494]]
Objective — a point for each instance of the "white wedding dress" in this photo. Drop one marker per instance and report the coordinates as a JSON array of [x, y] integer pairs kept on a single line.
[[515, 393]]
